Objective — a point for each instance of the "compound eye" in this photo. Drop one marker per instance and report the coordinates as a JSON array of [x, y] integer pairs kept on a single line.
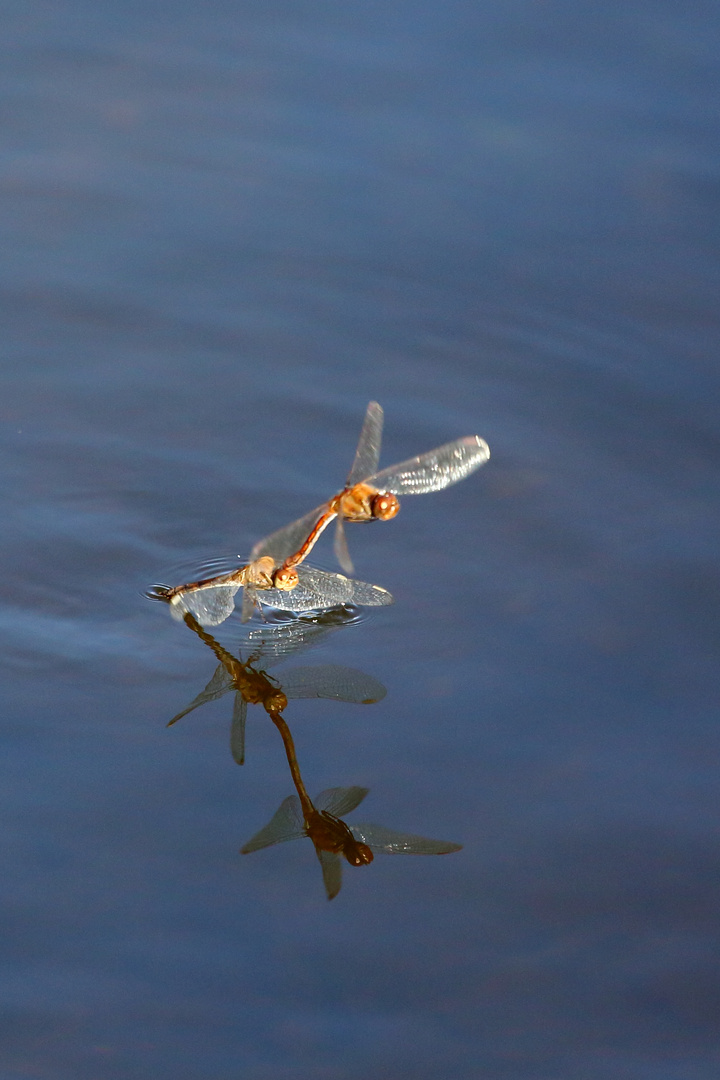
[[286, 578], [385, 505]]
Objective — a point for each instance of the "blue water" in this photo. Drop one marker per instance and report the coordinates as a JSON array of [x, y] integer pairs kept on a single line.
[[225, 228]]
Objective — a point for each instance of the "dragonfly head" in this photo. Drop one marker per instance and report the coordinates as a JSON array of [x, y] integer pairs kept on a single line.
[[276, 701], [385, 505], [357, 854], [285, 578]]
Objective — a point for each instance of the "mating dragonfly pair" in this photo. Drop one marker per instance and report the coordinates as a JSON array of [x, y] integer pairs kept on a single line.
[[277, 575]]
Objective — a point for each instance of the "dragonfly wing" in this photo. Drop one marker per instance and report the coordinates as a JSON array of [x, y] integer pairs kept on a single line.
[[340, 800], [332, 681], [341, 548], [220, 683], [367, 454], [330, 590], [237, 729], [283, 543], [434, 470], [210, 605], [248, 603], [389, 842], [286, 824], [331, 872]]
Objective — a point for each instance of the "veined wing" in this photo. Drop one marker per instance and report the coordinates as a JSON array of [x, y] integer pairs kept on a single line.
[[220, 683], [434, 470], [318, 589], [271, 644], [340, 800], [340, 547], [389, 842], [286, 824], [331, 872], [367, 455], [237, 729], [283, 543], [210, 605], [332, 681]]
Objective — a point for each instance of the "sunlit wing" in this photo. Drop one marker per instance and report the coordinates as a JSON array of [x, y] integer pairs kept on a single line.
[[237, 729], [332, 681], [287, 540], [318, 589], [331, 872], [388, 842], [210, 605], [367, 454], [434, 470], [286, 824], [220, 683], [340, 800], [340, 547]]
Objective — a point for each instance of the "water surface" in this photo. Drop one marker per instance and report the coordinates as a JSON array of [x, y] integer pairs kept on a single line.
[[225, 229]]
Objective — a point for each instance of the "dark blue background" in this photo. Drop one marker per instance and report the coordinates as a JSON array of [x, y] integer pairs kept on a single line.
[[224, 228]]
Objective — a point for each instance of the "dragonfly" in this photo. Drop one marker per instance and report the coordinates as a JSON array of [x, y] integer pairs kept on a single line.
[[211, 600], [321, 821], [370, 495], [253, 686]]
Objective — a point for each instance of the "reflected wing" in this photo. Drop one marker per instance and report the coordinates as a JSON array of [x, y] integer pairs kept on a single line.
[[220, 683], [286, 824], [237, 729], [332, 681], [331, 871], [434, 470], [272, 644], [340, 800], [210, 606], [388, 842], [319, 589], [340, 547], [286, 541], [367, 454]]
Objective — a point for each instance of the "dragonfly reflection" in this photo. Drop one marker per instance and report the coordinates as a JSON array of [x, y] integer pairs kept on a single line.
[[252, 685], [370, 495], [211, 600], [321, 821]]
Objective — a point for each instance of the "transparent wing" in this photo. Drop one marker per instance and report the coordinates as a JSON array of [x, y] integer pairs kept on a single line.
[[248, 603], [341, 548], [273, 644], [210, 605], [220, 683], [286, 824], [340, 800], [319, 589], [331, 871], [388, 842], [237, 729], [367, 454], [332, 681], [287, 540], [434, 470]]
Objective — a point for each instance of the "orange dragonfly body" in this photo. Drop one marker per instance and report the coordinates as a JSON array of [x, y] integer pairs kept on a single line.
[[369, 495]]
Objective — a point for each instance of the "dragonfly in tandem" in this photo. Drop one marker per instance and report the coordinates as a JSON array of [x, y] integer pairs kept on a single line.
[[321, 820], [253, 686], [370, 495], [211, 600]]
